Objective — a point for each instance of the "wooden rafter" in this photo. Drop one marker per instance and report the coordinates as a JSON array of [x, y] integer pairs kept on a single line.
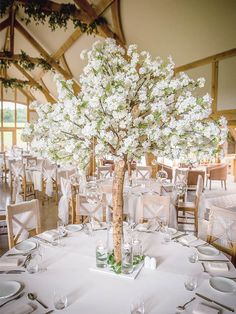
[[214, 85], [4, 24], [65, 64], [12, 15], [217, 57], [100, 8], [27, 94], [16, 57], [34, 83], [115, 11], [45, 54], [92, 15]]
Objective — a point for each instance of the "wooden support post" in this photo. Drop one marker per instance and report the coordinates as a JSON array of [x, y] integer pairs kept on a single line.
[[149, 160], [214, 85]]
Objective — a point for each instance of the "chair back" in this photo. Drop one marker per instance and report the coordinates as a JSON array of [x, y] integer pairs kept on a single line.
[[222, 230], [95, 211], [23, 220], [143, 172], [181, 175], [218, 173], [166, 168], [104, 172], [155, 206], [31, 162], [193, 176], [49, 178], [199, 190]]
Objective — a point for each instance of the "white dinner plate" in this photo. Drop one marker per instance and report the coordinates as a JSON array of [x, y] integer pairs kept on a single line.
[[74, 228], [223, 284], [25, 246], [171, 231], [9, 288], [208, 250]]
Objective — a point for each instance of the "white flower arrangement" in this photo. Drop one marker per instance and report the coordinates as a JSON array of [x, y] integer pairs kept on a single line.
[[131, 104], [27, 133]]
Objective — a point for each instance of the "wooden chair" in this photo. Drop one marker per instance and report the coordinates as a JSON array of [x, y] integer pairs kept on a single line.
[[221, 231], [84, 210], [3, 166], [218, 173], [20, 181], [193, 177], [166, 168], [23, 220], [49, 183], [143, 172], [155, 206], [31, 161], [191, 207], [104, 172], [181, 175]]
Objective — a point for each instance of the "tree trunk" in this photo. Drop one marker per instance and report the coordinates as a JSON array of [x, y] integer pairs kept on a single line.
[[117, 196], [149, 158]]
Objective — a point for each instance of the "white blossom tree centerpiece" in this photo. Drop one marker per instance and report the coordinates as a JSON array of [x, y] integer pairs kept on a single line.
[[131, 104]]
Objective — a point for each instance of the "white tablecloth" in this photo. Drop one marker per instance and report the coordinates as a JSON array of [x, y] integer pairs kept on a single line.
[[90, 292]]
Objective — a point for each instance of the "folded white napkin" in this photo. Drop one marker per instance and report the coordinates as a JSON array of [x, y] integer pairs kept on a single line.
[[97, 226], [9, 261], [188, 239], [20, 309], [217, 266], [50, 235], [204, 309]]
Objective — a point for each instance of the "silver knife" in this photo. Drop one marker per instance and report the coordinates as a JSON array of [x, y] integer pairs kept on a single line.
[[43, 240], [214, 260], [215, 302], [178, 236]]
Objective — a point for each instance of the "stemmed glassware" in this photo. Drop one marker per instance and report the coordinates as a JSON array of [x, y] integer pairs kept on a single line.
[[60, 230]]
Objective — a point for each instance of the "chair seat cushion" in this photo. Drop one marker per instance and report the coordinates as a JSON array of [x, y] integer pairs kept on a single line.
[[186, 205]]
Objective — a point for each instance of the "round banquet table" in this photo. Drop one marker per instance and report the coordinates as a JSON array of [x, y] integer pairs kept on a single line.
[[91, 292]]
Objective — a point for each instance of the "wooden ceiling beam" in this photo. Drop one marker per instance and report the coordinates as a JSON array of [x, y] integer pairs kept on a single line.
[[27, 94], [115, 11], [102, 6], [46, 55], [92, 15], [34, 83], [16, 57], [12, 16], [217, 57], [4, 24], [51, 6]]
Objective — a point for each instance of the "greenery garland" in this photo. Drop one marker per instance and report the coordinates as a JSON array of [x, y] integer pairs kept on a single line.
[[34, 11], [25, 62], [15, 83]]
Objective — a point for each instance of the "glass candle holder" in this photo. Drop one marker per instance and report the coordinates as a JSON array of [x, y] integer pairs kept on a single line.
[[127, 258], [101, 255]]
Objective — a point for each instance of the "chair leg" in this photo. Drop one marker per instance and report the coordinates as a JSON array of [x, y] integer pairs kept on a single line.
[[196, 221], [210, 184], [221, 184], [225, 185]]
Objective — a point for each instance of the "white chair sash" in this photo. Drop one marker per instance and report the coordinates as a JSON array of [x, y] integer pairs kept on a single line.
[[18, 171], [63, 206], [49, 175]]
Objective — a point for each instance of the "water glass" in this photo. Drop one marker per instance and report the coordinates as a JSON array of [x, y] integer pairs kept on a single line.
[[166, 237], [193, 258], [191, 283], [127, 258], [34, 263], [101, 255], [59, 300], [137, 307]]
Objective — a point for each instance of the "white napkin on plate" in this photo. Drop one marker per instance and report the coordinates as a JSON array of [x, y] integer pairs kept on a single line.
[[50, 235], [20, 309], [204, 309], [10, 261], [217, 266], [188, 239]]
